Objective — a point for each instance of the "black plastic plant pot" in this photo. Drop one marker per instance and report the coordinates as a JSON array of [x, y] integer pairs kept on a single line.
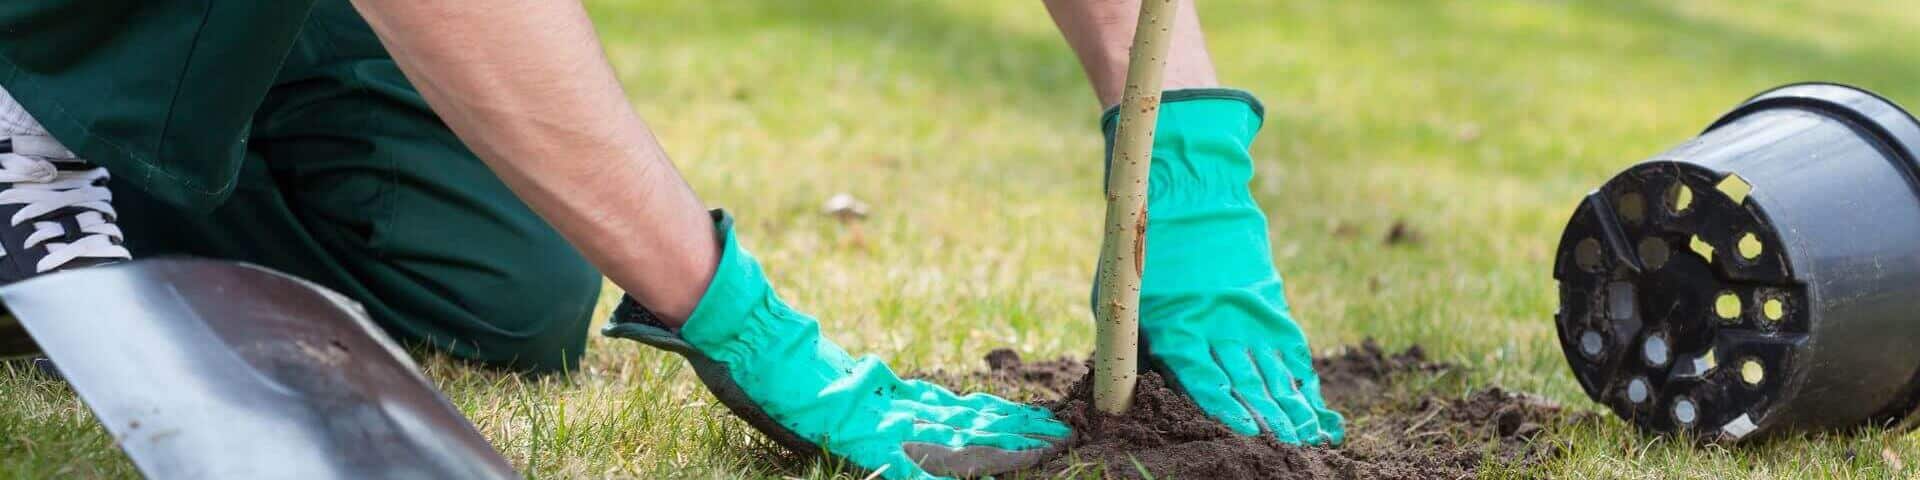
[[1762, 278]]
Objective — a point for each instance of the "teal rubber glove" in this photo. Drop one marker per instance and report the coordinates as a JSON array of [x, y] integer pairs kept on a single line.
[[768, 364], [1213, 315]]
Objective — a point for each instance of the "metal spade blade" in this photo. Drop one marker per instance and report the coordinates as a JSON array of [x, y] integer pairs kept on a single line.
[[209, 369]]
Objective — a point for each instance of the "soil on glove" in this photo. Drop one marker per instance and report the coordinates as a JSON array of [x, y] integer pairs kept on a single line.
[[1392, 433]]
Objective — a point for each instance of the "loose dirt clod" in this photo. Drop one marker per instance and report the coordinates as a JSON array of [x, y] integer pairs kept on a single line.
[[1402, 234], [1391, 433]]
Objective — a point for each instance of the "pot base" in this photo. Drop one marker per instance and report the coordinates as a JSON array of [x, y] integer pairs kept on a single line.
[[1678, 307]]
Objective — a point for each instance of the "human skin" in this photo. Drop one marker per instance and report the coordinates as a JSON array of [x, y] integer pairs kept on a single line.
[[527, 86], [1101, 34]]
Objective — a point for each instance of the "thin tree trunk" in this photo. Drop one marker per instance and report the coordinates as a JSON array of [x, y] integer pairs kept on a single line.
[[1123, 251]]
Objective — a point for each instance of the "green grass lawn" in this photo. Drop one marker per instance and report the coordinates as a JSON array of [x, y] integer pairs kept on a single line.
[[968, 127]]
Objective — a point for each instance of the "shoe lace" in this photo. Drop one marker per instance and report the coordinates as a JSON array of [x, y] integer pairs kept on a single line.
[[45, 189]]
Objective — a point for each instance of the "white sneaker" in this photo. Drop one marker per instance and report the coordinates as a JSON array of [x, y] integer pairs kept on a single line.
[[55, 210]]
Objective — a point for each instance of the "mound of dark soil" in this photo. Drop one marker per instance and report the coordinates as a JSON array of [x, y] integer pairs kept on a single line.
[[1391, 433], [1009, 377]]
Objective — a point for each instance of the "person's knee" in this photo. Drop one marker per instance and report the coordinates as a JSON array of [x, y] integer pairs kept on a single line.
[[529, 314]]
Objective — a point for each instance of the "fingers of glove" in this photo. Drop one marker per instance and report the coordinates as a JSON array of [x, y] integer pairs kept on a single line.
[[950, 415], [929, 393], [947, 436], [1252, 391], [998, 414], [1332, 424], [918, 450], [867, 382], [1036, 424], [1286, 393], [1209, 387], [1300, 363]]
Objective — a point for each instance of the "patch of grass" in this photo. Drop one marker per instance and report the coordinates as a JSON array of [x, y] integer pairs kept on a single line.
[[968, 128]]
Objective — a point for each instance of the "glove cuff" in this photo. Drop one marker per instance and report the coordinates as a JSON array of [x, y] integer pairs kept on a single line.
[[738, 311], [1200, 148], [1110, 119]]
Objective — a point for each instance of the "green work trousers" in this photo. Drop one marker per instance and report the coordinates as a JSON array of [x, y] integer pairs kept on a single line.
[[282, 133]]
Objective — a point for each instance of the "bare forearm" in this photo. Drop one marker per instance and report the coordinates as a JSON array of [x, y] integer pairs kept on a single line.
[[526, 85], [1101, 33]]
